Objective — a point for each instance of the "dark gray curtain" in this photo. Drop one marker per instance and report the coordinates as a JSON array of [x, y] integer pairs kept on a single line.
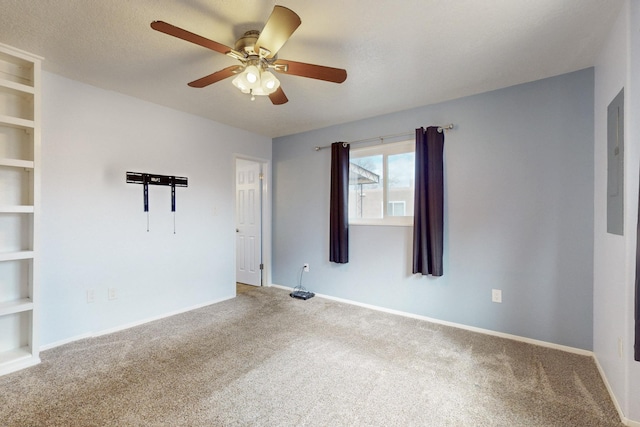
[[428, 221], [636, 347], [339, 209]]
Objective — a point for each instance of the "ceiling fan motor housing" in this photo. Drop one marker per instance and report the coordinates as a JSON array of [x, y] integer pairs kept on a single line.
[[247, 42]]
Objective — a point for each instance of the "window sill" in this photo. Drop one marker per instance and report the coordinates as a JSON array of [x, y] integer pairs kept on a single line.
[[406, 221]]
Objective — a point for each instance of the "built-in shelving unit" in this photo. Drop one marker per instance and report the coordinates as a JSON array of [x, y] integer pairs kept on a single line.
[[19, 207]]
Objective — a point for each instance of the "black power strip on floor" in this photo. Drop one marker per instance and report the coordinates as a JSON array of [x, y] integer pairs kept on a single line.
[[305, 295]]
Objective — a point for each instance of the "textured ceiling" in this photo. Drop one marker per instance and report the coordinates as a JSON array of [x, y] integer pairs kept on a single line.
[[398, 55]]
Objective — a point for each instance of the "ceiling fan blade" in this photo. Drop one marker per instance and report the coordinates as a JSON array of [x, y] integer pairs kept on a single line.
[[319, 72], [279, 27], [216, 77], [172, 30], [278, 97]]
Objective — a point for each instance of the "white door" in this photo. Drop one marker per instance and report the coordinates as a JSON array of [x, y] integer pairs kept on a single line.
[[248, 223]]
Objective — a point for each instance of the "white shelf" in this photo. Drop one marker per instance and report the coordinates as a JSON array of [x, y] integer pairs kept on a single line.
[[15, 355], [16, 163], [16, 256], [20, 104], [16, 359], [16, 122], [16, 209], [18, 88], [17, 306]]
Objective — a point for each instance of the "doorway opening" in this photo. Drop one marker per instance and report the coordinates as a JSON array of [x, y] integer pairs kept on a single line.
[[251, 221]]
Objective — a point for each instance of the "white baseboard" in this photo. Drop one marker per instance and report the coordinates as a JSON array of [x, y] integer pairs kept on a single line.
[[626, 421], [18, 365], [453, 324], [130, 325], [55, 344], [579, 351]]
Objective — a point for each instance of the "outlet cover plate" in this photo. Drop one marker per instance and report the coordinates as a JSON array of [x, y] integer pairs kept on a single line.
[[496, 295]]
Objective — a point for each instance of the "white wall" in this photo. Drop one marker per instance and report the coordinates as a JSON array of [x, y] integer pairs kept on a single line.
[[610, 272], [633, 133], [618, 66], [518, 209], [93, 225]]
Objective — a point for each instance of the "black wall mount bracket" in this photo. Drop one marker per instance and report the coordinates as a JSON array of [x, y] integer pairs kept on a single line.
[[147, 179]]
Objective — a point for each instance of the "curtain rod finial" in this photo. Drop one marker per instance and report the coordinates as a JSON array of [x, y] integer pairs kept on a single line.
[[445, 127]]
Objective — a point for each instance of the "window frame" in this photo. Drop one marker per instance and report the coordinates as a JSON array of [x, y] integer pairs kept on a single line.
[[386, 150]]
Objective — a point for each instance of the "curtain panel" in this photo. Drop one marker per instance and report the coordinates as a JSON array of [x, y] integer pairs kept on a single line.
[[428, 216], [339, 204]]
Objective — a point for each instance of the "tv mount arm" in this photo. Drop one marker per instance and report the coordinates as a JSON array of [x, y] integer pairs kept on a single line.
[[147, 179]]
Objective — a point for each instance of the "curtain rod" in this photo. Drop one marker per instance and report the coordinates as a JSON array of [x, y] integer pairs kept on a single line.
[[382, 138]]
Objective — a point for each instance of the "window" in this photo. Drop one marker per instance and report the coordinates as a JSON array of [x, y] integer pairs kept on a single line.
[[397, 208], [381, 184]]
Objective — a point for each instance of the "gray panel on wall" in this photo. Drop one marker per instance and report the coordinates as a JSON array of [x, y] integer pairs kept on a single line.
[[615, 164]]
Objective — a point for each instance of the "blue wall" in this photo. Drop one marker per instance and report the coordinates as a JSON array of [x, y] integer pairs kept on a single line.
[[519, 214]]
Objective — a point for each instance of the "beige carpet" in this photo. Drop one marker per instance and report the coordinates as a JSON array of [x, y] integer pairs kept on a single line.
[[265, 359]]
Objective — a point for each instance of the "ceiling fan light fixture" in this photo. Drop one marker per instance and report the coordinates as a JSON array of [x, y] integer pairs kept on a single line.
[[269, 82], [252, 76], [240, 82], [248, 79], [255, 82]]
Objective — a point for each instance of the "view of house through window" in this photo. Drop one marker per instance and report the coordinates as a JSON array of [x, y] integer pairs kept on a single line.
[[381, 184]]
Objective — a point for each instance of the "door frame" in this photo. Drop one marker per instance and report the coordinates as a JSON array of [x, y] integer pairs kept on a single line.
[[265, 214]]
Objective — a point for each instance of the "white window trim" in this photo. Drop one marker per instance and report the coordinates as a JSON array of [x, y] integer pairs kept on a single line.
[[394, 221]]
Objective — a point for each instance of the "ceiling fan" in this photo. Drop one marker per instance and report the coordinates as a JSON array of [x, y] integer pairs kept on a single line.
[[257, 51]]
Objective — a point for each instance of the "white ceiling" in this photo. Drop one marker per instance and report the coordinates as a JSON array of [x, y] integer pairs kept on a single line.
[[398, 55]]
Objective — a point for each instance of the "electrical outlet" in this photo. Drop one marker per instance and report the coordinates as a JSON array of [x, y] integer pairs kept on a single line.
[[91, 296], [496, 295], [306, 267], [112, 294]]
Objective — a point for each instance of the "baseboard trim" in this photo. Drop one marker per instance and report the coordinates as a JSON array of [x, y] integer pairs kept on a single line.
[[453, 324], [55, 344], [626, 421], [22, 363], [623, 418], [131, 325]]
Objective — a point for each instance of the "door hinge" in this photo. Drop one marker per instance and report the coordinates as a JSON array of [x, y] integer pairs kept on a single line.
[[261, 266], [261, 176]]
